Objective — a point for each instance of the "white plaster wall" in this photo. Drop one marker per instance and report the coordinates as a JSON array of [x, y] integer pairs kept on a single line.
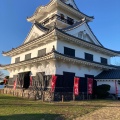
[[49, 69], [79, 70], [79, 51], [112, 84], [34, 52]]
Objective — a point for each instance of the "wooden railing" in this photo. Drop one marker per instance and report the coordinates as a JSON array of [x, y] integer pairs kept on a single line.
[[70, 22]]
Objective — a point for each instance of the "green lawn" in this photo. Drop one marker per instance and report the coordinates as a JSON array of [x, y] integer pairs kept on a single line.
[[13, 108]]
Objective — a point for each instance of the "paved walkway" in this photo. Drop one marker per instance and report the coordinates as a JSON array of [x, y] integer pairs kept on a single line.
[[111, 112]]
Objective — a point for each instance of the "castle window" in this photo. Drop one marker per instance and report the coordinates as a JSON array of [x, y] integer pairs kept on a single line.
[[70, 21], [17, 59], [84, 36], [88, 56], [80, 34], [103, 60], [41, 52], [28, 56], [69, 51]]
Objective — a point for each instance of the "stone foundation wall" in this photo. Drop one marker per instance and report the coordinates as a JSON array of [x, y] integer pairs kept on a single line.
[[30, 94], [48, 96], [19, 93], [44, 95]]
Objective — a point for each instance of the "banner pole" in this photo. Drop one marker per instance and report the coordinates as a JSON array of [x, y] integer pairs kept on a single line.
[[73, 95], [87, 88]]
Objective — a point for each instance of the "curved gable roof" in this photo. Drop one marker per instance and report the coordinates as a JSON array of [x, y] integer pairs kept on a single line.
[[77, 11], [37, 29], [78, 24]]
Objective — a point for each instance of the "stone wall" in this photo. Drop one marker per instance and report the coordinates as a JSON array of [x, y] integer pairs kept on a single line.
[[30, 94], [44, 95], [19, 93]]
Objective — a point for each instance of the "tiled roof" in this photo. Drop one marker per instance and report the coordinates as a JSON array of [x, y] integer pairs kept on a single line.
[[110, 74], [118, 52], [77, 24], [65, 56], [85, 60], [78, 10]]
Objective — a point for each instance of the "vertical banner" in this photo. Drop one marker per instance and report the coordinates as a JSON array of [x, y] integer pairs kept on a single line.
[[53, 83], [31, 80], [116, 89], [90, 85], [5, 81], [15, 84], [76, 86]]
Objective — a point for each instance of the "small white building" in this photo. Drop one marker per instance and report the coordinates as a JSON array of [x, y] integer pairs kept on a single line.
[[60, 43]]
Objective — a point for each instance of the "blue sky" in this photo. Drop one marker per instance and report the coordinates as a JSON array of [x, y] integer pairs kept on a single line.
[[14, 27]]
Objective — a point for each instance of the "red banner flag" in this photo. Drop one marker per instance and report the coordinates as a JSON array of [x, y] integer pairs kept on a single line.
[[30, 80], [53, 83], [5, 81], [116, 89], [15, 84], [90, 85], [76, 86]]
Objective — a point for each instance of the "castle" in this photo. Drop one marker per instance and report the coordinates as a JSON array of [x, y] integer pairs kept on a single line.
[[61, 43]]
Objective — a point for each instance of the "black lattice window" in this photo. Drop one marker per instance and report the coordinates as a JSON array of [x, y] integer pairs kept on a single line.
[[103, 60], [41, 52], [88, 56], [28, 56], [69, 51], [17, 59]]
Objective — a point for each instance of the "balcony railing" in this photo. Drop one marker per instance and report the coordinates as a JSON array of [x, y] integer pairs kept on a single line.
[[67, 21]]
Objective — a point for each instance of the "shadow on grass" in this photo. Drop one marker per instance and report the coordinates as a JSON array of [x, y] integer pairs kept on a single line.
[[32, 117]]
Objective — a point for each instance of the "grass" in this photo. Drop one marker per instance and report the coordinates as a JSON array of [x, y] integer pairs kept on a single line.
[[14, 108]]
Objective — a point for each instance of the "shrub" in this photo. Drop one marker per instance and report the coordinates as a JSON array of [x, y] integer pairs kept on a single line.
[[102, 91]]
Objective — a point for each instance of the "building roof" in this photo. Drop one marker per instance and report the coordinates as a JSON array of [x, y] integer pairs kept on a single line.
[[88, 61], [110, 74], [67, 37], [38, 26], [77, 24], [59, 2], [117, 52], [56, 55], [78, 9]]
